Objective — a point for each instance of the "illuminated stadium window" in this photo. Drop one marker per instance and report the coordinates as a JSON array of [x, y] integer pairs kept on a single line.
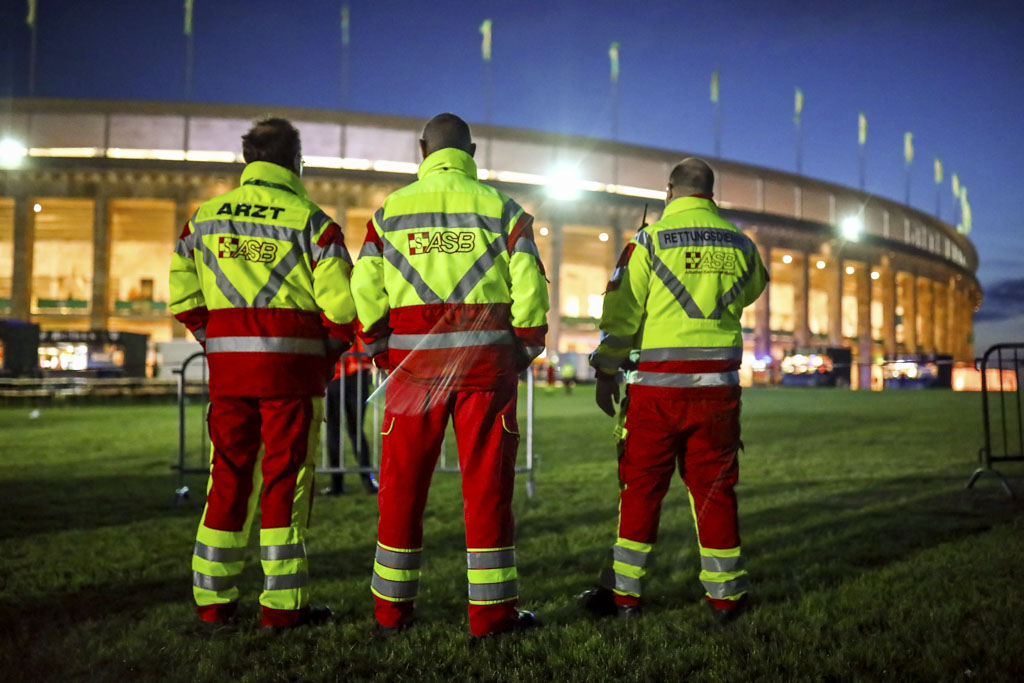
[[62, 259], [142, 235], [585, 269], [817, 301], [6, 252], [781, 317]]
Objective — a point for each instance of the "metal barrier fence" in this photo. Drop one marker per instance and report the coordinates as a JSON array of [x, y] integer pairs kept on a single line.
[[999, 425], [195, 458]]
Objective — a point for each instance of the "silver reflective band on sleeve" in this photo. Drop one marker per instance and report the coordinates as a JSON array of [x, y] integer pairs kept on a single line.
[[635, 558], [725, 589], [369, 249], [451, 340], [213, 554], [428, 220], [399, 590], [687, 380], [395, 560], [614, 341], [290, 551], [488, 592], [377, 346], [491, 559], [212, 583], [199, 334], [526, 246], [721, 564], [332, 250], [284, 582], [729, 353], [299, 345]]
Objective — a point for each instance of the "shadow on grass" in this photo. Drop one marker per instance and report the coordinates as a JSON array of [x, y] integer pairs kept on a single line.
[[34, 506]]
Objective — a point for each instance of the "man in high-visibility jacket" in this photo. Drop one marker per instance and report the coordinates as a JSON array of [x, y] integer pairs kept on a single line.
[[451, 293], [676, 296], [260, 275]]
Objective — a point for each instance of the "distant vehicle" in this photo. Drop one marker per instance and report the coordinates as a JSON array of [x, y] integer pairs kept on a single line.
[[818, 366], [917, 371]]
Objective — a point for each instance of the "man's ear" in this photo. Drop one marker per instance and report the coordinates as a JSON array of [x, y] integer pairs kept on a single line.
[[423, 148], [472, 149]]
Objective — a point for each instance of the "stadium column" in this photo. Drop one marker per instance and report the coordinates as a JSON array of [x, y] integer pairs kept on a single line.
[[951, 319], [888, 299], [835, 303], [910, 337], [555, 293], [864, 336], [21, 273], [941, 311], [99, 307], [801, 299], [926, 316], [763, 309], [182, 214]]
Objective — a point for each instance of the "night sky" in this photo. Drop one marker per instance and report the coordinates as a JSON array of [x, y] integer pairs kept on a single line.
[[950, 72]]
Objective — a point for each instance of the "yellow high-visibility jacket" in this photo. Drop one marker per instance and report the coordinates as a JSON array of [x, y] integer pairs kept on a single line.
[[260, 275], [676, 295], [449, 285]]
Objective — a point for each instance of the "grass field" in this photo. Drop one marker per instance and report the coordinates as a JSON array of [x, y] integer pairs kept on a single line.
[[868, 561]]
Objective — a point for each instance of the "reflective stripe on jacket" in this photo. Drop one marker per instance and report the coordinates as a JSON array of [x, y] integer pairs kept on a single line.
[[676, 295], [260, 275], [449, 281]]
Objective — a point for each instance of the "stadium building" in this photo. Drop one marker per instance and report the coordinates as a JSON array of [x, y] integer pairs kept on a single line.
[[93, 195]]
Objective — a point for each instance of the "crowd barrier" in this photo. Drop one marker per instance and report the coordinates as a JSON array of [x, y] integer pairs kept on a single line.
[[1004, 421], [194, 439]]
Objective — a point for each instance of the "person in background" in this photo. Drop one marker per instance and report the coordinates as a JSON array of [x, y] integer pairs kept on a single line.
[[357, 369]]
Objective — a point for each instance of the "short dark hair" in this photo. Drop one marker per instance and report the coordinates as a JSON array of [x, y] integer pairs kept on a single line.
[[272, 139], [692, 176], [447, 130]]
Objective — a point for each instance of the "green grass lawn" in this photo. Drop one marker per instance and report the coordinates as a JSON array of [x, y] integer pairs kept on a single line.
[[868, 560]]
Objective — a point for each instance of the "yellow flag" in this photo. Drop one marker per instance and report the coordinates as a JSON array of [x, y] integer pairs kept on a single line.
[[613, 55], [965, 212], [714, 86], [938, 171], [798, 105], [862, 129], [956, 186], [188, 17], [485, 46], [344, 25], [908, 147], [30, 18]]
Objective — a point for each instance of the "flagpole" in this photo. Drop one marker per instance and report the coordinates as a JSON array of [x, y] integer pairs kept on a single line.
[[908, 157], [189, 68], [717, 113], [862, 139], [30, 19], [613, 56], [798, 108], [343, 70], [485, 50]]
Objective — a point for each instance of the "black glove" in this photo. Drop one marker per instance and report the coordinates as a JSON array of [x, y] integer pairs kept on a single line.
[[607, 394]]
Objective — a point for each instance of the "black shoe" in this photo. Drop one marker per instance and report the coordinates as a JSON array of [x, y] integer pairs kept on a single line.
[[628, 611], [388, 631], [525, 621], [730, 614], [314, 616], [600, 602]]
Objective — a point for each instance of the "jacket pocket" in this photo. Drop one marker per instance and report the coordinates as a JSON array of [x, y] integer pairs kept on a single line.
[[512, 428], [390, 425]]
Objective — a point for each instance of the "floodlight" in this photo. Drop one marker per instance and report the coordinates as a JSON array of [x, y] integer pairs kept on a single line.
[[543, 232], [820, 265], [875, 275], [849, 270], [11, 152], [851, 227], [563, 183], [786, 258], [603, 237], [37, 208]]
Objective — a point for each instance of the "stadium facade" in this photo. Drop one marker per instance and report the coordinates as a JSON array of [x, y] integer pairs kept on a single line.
[[94, 193]]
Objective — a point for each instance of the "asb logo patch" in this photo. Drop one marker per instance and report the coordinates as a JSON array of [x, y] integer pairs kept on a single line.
[[441, 241], [718, 262], [257, 251]]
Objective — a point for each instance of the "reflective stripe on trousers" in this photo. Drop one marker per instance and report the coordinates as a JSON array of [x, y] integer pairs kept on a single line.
[[492, 575], [685, 380], [396, 573], [285, 568], [629, 566]]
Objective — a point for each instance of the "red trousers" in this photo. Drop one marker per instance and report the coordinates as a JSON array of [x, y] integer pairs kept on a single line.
[[700, 437], [486, 431], [286, 428]]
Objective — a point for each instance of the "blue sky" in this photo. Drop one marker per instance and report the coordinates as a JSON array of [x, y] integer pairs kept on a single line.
[[950, 72]]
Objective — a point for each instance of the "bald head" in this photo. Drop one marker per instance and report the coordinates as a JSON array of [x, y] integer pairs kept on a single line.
[[446, 130], [691, 176]]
